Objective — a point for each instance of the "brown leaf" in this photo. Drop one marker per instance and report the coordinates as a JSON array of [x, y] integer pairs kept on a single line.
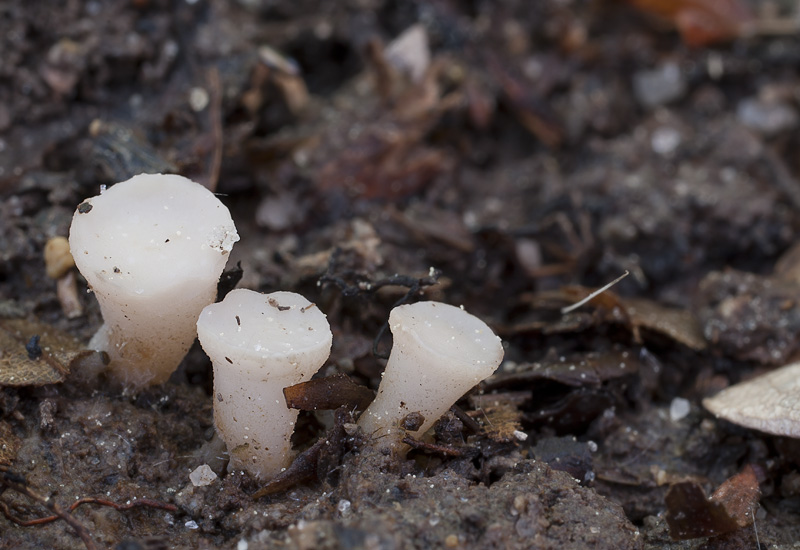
[[18, 367], [678, 324], [608, 307], [691, 515]]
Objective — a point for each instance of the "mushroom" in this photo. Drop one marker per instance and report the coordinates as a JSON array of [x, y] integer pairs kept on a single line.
[[260, 344], [440, 352], [152, 249]]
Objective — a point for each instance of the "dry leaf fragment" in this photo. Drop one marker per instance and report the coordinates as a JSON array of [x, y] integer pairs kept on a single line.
[[768, 403], [691, 515], [678, 324], [22, 365]]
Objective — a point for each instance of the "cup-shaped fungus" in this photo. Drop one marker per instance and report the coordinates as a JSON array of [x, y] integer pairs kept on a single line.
[[439, 353], [152, 249], [260, 344]]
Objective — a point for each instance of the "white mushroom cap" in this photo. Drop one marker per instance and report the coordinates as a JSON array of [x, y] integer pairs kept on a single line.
[[259, 345], [769, 403], [152, 249], [439, 353]]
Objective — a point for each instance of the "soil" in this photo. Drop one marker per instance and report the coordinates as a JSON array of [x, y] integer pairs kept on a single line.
[[509, 157]]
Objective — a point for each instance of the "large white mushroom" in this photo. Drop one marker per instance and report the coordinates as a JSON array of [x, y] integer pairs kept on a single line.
[[259, 345], [439, 353], [152, 249]]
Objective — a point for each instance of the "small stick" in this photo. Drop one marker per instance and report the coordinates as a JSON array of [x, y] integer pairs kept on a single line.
[[573, 307], [432, 447]]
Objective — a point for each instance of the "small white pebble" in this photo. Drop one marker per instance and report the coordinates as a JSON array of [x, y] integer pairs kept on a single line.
[[679, 409], [241, 545], [191, 524], [202, 475], [198, 99]]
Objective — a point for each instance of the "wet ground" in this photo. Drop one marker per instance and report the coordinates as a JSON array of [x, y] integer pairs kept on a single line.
[[509, 157]]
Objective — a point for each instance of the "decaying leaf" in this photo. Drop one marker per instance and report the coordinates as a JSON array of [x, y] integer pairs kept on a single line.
[[691, 515], [636, 314], [678, 324], [23, 365], [769, 403], [9, 444], [569, 392]]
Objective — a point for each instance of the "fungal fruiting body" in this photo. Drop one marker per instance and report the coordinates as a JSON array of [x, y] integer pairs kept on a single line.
[[439, 353], [769, 403], [152, 249], [260, 344]]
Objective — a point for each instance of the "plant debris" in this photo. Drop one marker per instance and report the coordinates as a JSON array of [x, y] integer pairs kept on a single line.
[[328, 393], [34, 354], [691, 515]]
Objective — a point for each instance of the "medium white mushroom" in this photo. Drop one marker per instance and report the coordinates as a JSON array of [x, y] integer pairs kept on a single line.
[[439, 353], [152, 249], [259, 345], [769, 403]]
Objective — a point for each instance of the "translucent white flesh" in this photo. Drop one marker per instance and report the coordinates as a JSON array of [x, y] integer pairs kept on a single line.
[[152, 249], [260, 344], [439, 353]]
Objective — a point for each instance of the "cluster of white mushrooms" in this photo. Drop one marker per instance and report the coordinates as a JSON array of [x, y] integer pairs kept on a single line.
[[153, 248]]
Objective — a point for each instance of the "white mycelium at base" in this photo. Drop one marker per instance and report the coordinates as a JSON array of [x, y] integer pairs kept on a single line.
[[260, 344], [439, 353], [152, 249]]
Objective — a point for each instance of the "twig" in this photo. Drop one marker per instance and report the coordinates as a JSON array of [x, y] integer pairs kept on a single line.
[[576, 305], [433, 448], [365, 286]]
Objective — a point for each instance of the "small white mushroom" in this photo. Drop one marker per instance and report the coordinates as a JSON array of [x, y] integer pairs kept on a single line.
[[769, 403], [439, 353], [152, 249], [259, 345]]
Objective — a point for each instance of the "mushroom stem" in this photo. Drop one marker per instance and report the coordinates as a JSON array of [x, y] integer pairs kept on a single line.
[[259, 345]]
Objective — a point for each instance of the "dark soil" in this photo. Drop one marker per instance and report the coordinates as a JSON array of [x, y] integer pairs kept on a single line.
[[545, 148]]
